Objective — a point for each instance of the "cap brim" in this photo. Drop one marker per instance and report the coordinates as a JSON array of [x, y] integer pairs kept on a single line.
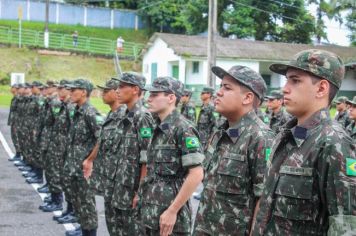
[[220, 72], [102, 87], [153, 89], [351, 102], [127, 82]]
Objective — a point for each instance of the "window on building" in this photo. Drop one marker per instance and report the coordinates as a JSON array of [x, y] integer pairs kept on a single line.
[[195, 67], [267, 79]]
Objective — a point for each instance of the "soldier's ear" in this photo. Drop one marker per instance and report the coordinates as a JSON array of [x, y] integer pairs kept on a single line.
[[323, 89], [248, 98]]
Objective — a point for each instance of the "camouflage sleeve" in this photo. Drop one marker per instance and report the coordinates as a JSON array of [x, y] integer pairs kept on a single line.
[[259, 155], [340, 191], [95, 121], [191, 113], [192, 151], [145, 129]]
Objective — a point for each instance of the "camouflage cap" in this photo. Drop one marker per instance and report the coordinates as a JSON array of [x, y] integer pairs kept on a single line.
[[63, 83], [352, 102], [245, 76], [27, 85], [187, 92], [275, 94], [37, 84], [167, 84], [20, 85], [208, 90], [113, 83], [81, 84], [341, 99], [15, 85], [323, 64], [133, 78]]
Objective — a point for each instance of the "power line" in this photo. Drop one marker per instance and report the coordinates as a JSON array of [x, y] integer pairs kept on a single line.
[[283, 3]]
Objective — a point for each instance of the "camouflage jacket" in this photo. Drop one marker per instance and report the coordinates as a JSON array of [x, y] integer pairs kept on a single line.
[[276, 121], [188, 111], [105, 164], [263, 116], [311, 181], [83, 133], [46, 122], [60, 129], [234, 176], [343, 118], [12, 113], [133, 136], [206, 122], [175, 147], [351, 130], [34, 108]]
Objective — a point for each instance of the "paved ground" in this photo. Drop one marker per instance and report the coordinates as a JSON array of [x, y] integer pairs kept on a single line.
[[19, 201]]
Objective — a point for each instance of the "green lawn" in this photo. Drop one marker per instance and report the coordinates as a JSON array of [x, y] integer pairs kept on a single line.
[[129, 35]]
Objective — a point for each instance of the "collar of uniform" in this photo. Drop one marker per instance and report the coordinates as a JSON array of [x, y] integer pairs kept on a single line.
[[303, 131], [83, 107], [278, 114], [131, 113], [240, 126], [166, 124]]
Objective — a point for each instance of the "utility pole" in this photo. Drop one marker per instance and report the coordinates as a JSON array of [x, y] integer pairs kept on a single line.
[[46, 33], [212, 31]]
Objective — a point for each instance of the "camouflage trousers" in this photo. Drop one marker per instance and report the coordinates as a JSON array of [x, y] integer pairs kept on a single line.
[[65, 184], [124, 222], [54, 168], [83, 200], [15, 138]]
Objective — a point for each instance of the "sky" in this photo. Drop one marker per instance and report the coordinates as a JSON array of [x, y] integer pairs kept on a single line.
[[336, 34]]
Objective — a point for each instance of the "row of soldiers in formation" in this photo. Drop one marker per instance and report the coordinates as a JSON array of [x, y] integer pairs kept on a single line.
[[297, 178]]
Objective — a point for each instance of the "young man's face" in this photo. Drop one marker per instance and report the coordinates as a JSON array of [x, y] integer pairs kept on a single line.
[[299, 92], [229, 97], [205, 96], [77, 95], [125, 92], [109, 96], [158, 102], [63, 94], [340, 107], [352, 113], [184, 99], [274, 103]]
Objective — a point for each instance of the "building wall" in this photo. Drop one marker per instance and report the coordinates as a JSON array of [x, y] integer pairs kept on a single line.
[[61, 13], [162, 55]]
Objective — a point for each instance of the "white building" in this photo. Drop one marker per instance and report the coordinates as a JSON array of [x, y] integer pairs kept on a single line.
[[185, 58]]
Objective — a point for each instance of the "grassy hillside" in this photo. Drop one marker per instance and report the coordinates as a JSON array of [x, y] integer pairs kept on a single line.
[[130, 35], [43, 67]]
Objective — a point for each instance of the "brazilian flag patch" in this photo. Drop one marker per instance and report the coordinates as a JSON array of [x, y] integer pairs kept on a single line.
[[267, 153], [266, 119], [216, 115], [99, 120], [146, 132], [192, 142], [350, 167], [56, 110], [71, 113]]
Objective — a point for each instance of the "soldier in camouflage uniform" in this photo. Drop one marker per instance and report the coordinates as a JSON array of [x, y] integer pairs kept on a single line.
[[342, 114], [351, 128], [207, 118], [100, 166], [57, 147], [84, 132], [236, 156], [188, 108], [132, 139], [32, 123], [16, 121], [11, 121], [311, 178], [278, 116], [174, 161]]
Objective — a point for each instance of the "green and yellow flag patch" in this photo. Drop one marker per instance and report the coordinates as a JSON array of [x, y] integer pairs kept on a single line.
[[350, 167], [192, 142], [99, 120], [146, 132], [267, 154], [56, 110]]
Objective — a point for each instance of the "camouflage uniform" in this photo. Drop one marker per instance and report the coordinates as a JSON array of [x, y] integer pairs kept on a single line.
[[13, 114], [84, 132], [207, 119], [276, 121], [311, 178], [342, 117], [351, 128], [174, 149], [133, 136], [188, 109], [234, 173]]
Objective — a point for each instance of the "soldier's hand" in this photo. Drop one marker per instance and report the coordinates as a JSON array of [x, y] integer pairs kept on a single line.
[[87, 168], [167, 221], [135, 201]]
